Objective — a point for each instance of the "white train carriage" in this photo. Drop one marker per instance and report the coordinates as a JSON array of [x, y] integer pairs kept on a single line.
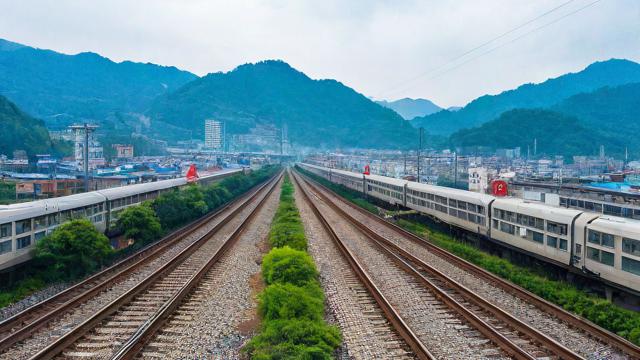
[[385, 188], [536, 228], [612, 250], [465, 209], [120, 198], [23, 224], [349, 179], [318, 170]]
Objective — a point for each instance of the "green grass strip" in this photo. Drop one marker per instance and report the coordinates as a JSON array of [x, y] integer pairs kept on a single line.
[[292, 304], [625, 323]]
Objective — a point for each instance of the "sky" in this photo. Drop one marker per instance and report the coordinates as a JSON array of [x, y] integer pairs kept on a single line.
[[383, 49]]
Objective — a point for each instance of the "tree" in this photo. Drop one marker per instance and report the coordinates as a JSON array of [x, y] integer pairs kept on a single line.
[[178, 207], [73, 250], [140, 223]]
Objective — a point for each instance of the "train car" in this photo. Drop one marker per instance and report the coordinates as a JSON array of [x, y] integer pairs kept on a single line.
[[611, 248], [542, 230], [23, 224], [465, 209], [385, 188], [349, 179], [318, 170]]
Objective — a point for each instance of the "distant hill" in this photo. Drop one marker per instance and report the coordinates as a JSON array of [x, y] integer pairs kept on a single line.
[[319, 113], [410, 108], [556, 134], [21, 131], [606, 73], [62, 89]]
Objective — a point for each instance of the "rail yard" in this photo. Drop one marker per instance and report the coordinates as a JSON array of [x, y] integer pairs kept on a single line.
[[392, 294]]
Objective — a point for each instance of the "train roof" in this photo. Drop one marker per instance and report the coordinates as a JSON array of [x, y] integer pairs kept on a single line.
[[457, 194], [386, 179], [537, 209], [129, 190], [347, 173], [31, 209], [617, 226]]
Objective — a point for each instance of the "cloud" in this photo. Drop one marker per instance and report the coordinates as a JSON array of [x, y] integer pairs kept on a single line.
[[377, 47]]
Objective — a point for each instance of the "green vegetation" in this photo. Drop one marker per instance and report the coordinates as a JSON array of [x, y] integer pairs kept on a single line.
[[623, 322], [273, 93], [74, 249], [140, 223], [521, 127], [292, 304], [612, 72], [21, 131], [7, 193]]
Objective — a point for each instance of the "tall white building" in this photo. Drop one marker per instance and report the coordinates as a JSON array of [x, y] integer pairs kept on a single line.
[[96, 156], [213, 134]]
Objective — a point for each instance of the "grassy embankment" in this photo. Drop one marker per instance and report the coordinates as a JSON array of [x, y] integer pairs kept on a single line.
[[292, 305], [621, 321]]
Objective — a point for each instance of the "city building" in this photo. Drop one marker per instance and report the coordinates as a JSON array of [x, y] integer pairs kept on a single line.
[[123, 151], [213, 134], [96, 155]]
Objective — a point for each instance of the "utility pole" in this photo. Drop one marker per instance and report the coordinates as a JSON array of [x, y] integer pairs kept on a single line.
[[419, 149], [455, 169], [405, 164]]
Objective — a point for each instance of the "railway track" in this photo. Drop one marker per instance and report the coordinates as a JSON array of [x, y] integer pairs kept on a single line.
[[580, 336], [127, 275], [26, 322]]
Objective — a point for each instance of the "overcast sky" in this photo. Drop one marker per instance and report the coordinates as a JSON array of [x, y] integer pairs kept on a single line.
[[383, 49]]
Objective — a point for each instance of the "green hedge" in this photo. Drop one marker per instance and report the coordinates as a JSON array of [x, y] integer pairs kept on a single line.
[[292, 304], [614, 318]]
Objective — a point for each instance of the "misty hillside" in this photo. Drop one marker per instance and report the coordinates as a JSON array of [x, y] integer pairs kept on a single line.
[[411, 108], [321, 113]]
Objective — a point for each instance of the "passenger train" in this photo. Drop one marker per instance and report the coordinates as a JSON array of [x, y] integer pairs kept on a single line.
[[597, 245], [23, 224]]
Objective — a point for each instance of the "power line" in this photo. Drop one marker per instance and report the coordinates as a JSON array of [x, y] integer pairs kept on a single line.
[[515, 39], [405, 84]]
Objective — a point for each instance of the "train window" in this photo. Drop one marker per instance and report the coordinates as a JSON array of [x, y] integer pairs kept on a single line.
[[588, 205], [607, 240], [508, 228], [480, 209], [5, 230], [40, 222], [563, 201], [495, 224], [535, 236], [52, 219], [40, 235], [593, 253], [556, 228], [607, 258], [5, 247], [594, 237], [452, 202], [631, 246], [597, 207], [23, 242], [552, 241], [563, 244], [630, 265], [578, 249], [613, 210], [23, 226]]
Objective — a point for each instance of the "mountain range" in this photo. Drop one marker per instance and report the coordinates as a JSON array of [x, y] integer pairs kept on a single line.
[[612, 72], [411, 108], [21, 131]]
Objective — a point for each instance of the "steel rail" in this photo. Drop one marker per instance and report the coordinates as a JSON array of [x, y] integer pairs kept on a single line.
[[574, 320], [76, 333], [389, 311], [146, 332], [392, 250], [23, 324]]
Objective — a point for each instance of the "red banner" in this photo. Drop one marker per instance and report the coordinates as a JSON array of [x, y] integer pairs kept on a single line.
[[192, 173]]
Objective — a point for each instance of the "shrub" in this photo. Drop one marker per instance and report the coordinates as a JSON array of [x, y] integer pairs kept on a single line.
[[140, 223], [286, 265], [294, 339], [73, 249], [287, 301]]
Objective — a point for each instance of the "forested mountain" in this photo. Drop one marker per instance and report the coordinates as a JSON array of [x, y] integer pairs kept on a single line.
[[20, 131], [320, 113], [606, 73], [410, 108], [556, 134], [62, 89]]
